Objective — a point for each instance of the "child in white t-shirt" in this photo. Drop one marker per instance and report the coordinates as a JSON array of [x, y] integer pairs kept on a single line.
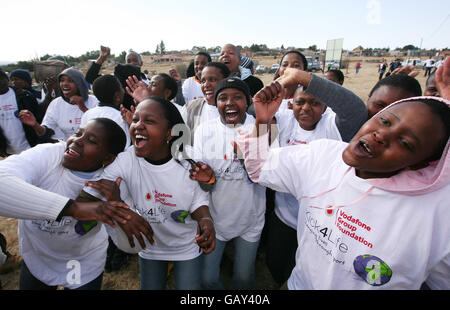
[[369, 208], [291, 59], [110, 93], [192, 86], [159, 188], [65, 252], [237, 204], [63, 116], [202, 110]]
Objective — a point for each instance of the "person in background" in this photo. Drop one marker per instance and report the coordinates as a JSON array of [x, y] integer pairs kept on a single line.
[[428, 66], [191, 88], [230, 55], [16, 136], [382, 69], [63, 116], [21, 79], [336, 76]]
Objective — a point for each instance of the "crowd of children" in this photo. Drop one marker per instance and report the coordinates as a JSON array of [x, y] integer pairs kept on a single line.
[[347, 194]]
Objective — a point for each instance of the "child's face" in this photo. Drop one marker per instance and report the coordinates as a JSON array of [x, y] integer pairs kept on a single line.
[[232, 106], [118, 97], [307, 110], [431, 89], [86, 150], [395, 139], [157, 87], [332, 77], [199, 63], [68, 87], [230, 58], [149, 131], [133, 60], [211, 76], [291, 60], [19, 83], [384, 96], [3, 85]]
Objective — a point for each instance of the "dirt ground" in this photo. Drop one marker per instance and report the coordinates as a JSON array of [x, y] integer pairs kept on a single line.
[[128, 277]]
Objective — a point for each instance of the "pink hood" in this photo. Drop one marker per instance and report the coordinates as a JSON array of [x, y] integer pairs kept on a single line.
[[419, 182]]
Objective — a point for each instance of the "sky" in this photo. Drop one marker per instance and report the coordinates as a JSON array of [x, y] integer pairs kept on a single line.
[[35, 28]]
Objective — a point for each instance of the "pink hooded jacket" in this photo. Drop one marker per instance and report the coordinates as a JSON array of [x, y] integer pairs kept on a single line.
[[407, 182]]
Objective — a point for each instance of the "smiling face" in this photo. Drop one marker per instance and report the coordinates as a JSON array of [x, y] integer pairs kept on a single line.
[[199, 63], [211, 76], [230, 57], [395, 139], [68, 87], [307, 110], [149, 131], [232, 106], [156, 87], [290, 60], [384, 96], [86, 150]]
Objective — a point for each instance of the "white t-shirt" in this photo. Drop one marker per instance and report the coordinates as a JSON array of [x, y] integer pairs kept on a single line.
[[165, 196], [290, 133], [65, 118], [237, 204], [429, 63], [192, 90], [285, 104], [112, 114], [11, 124], [55, 251], [382, 241]]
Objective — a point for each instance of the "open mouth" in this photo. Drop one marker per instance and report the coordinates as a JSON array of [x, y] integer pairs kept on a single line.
[[66, 91], [209, 93], [70, 152], [140, 141], [363, 149], [231, 116]]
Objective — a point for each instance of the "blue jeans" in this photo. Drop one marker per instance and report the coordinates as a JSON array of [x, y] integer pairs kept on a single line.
[[29, 282], [243, 265], [153, 274]]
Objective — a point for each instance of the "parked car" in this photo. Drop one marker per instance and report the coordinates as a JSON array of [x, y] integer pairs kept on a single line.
[[261, 69], [274, 68], [313, 65], [414, 62]]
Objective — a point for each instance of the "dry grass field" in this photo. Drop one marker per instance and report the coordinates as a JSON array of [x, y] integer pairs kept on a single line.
[[128, 277]]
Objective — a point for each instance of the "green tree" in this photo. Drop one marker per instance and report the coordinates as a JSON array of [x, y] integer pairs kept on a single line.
[[410, 47], [162, 48]]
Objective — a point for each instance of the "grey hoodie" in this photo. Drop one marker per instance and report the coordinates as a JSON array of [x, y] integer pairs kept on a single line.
[[78, 77]]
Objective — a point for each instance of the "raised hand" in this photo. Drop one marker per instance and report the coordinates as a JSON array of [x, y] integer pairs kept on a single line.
[[442, 79], [127, 115], [406, 70], [137, 89], [267, 101], [104, 53], [175, 75]]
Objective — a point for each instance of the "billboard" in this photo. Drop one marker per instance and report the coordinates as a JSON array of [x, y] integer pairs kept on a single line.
[[334, 50]]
